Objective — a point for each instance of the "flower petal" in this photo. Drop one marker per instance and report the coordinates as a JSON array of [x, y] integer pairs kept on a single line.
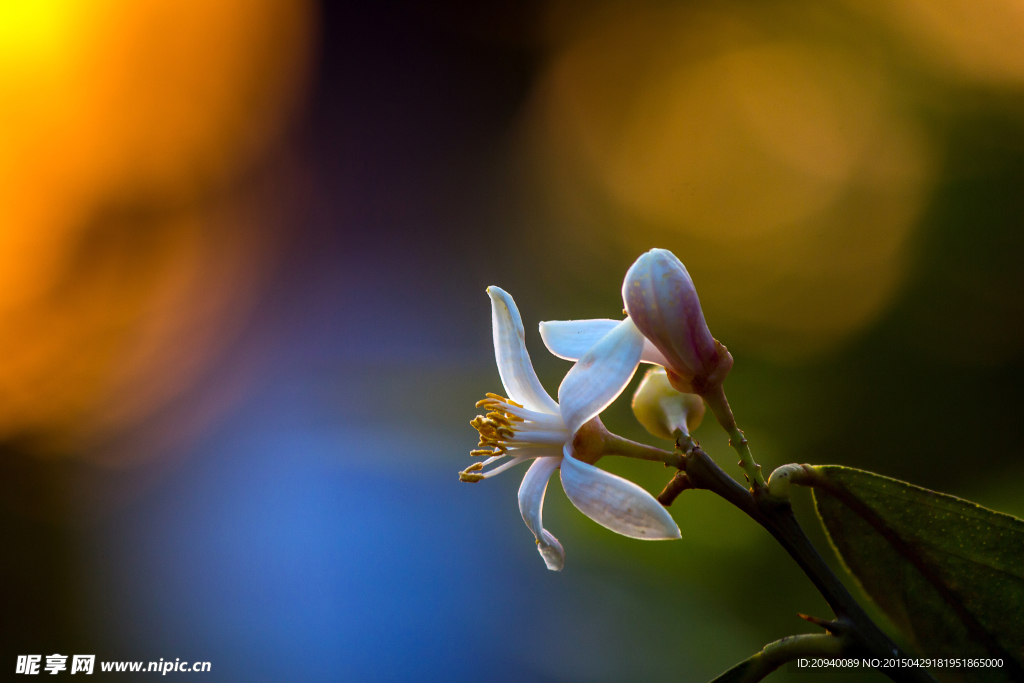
[[614, 502], [652, 355], [600, 375], [571, 339], [514, 366], [531, 502]]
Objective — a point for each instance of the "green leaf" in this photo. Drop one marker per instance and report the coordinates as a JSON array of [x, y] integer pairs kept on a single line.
[[947, 572]]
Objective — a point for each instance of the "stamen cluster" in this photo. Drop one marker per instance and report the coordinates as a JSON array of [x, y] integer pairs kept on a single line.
[[496, 427]]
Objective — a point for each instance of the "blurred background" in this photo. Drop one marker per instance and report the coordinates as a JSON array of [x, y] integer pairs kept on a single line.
[[243, 253]]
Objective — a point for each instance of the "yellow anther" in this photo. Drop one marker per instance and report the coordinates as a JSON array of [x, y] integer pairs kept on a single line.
[[502, 399], [470, 477], [475, 467], [496, 428]]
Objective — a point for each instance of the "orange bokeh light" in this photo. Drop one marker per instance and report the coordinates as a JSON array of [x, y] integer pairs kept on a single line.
[[972, 39], [124, 130]]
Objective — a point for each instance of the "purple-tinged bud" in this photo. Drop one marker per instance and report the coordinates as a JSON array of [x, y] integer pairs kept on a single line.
[[662, 302]]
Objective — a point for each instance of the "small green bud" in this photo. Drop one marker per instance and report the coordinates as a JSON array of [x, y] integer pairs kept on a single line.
[[662, 410]]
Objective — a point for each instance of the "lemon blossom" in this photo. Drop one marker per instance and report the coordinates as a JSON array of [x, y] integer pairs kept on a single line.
[[530, 425]]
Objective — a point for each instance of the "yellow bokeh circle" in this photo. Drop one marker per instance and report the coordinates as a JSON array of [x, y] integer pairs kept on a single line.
[[780, 170]]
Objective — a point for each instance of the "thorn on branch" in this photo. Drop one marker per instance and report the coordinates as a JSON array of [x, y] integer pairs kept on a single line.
[[679, 483], [830, 626]]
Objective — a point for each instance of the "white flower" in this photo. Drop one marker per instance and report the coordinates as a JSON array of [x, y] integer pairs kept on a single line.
[[529, 425]]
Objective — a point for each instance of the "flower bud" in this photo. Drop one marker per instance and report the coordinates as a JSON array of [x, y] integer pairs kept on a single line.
[[662, 302], [662, 410]]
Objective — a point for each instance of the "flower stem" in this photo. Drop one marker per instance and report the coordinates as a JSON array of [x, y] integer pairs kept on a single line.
[[719, 404], [616, 445]]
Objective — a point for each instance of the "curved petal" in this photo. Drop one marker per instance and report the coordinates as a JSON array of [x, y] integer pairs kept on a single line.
[[600, 375], [514, 366], [571, 339], [614, 502], [652, 355], [531, 502]]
